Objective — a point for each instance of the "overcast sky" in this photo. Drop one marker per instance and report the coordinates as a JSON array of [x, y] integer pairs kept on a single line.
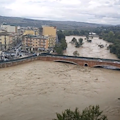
[[93, 11]]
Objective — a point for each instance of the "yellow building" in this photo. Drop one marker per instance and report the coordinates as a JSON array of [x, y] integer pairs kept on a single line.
[[4, 42], [52, 41], [49, 31], [30, 32], [7, 40], [34, 43]]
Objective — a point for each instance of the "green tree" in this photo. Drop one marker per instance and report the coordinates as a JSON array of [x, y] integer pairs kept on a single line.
[[80, 41], [74, 40], [63, 44], [58, 49], [90, 113], [87, 37], [60, 35], [77, 45]]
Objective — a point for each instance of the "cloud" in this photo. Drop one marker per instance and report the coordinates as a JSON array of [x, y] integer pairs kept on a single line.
[[95, 11]]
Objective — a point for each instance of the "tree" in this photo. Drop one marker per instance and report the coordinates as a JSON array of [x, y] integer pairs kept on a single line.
[[63, 44], [77, 45], [60, 35], [75, 53], [87, 37], [58, 49], [90, 113], [80, 41], [74, 40]]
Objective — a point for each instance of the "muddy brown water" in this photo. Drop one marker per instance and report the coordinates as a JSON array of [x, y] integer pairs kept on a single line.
[[90, 49], [37, 90]]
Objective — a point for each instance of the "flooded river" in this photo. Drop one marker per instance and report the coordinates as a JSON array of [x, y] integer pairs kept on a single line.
[[90, 49], [37, 90]]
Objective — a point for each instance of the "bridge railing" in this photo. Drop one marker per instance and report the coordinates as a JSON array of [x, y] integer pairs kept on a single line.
[[85, 58]]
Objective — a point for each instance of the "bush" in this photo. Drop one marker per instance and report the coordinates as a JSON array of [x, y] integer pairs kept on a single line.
[[90, 113], [75, 53]]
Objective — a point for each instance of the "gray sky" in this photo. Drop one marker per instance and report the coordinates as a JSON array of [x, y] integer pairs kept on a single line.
[[93, 11]]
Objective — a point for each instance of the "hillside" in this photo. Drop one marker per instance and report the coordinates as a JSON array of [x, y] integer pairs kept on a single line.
[[37, 23]]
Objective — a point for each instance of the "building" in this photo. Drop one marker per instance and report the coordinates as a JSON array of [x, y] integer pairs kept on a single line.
[[30, 32], [51, 41], [9, 28], [4, 41], [7, 40], [51, 33], [34, 43]]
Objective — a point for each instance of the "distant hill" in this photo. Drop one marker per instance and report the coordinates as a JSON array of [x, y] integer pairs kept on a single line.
[[63, 25]]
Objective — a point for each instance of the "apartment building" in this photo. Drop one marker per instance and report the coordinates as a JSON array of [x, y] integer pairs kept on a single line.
[[50, 32], [51, 41], [30, 32], [7, 40], [9, 28], [34, 43]]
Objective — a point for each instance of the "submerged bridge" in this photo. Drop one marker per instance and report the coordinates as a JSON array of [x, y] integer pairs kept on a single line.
[[82, 61]]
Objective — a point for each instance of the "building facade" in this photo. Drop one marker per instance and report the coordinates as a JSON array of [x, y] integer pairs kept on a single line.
[[50, 32], [34, 43], [9, 28], [8, 40], [30, 32]]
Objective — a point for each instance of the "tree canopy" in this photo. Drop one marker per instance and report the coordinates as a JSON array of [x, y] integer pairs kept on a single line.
[[90, 113], [62, 45], [113, 37]]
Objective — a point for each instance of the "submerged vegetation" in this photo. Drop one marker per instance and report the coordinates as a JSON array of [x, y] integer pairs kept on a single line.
[[111, 35], [77, 43]]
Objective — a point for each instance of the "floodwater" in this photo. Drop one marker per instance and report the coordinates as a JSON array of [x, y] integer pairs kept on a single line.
[[90, 49], [37, 90]]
